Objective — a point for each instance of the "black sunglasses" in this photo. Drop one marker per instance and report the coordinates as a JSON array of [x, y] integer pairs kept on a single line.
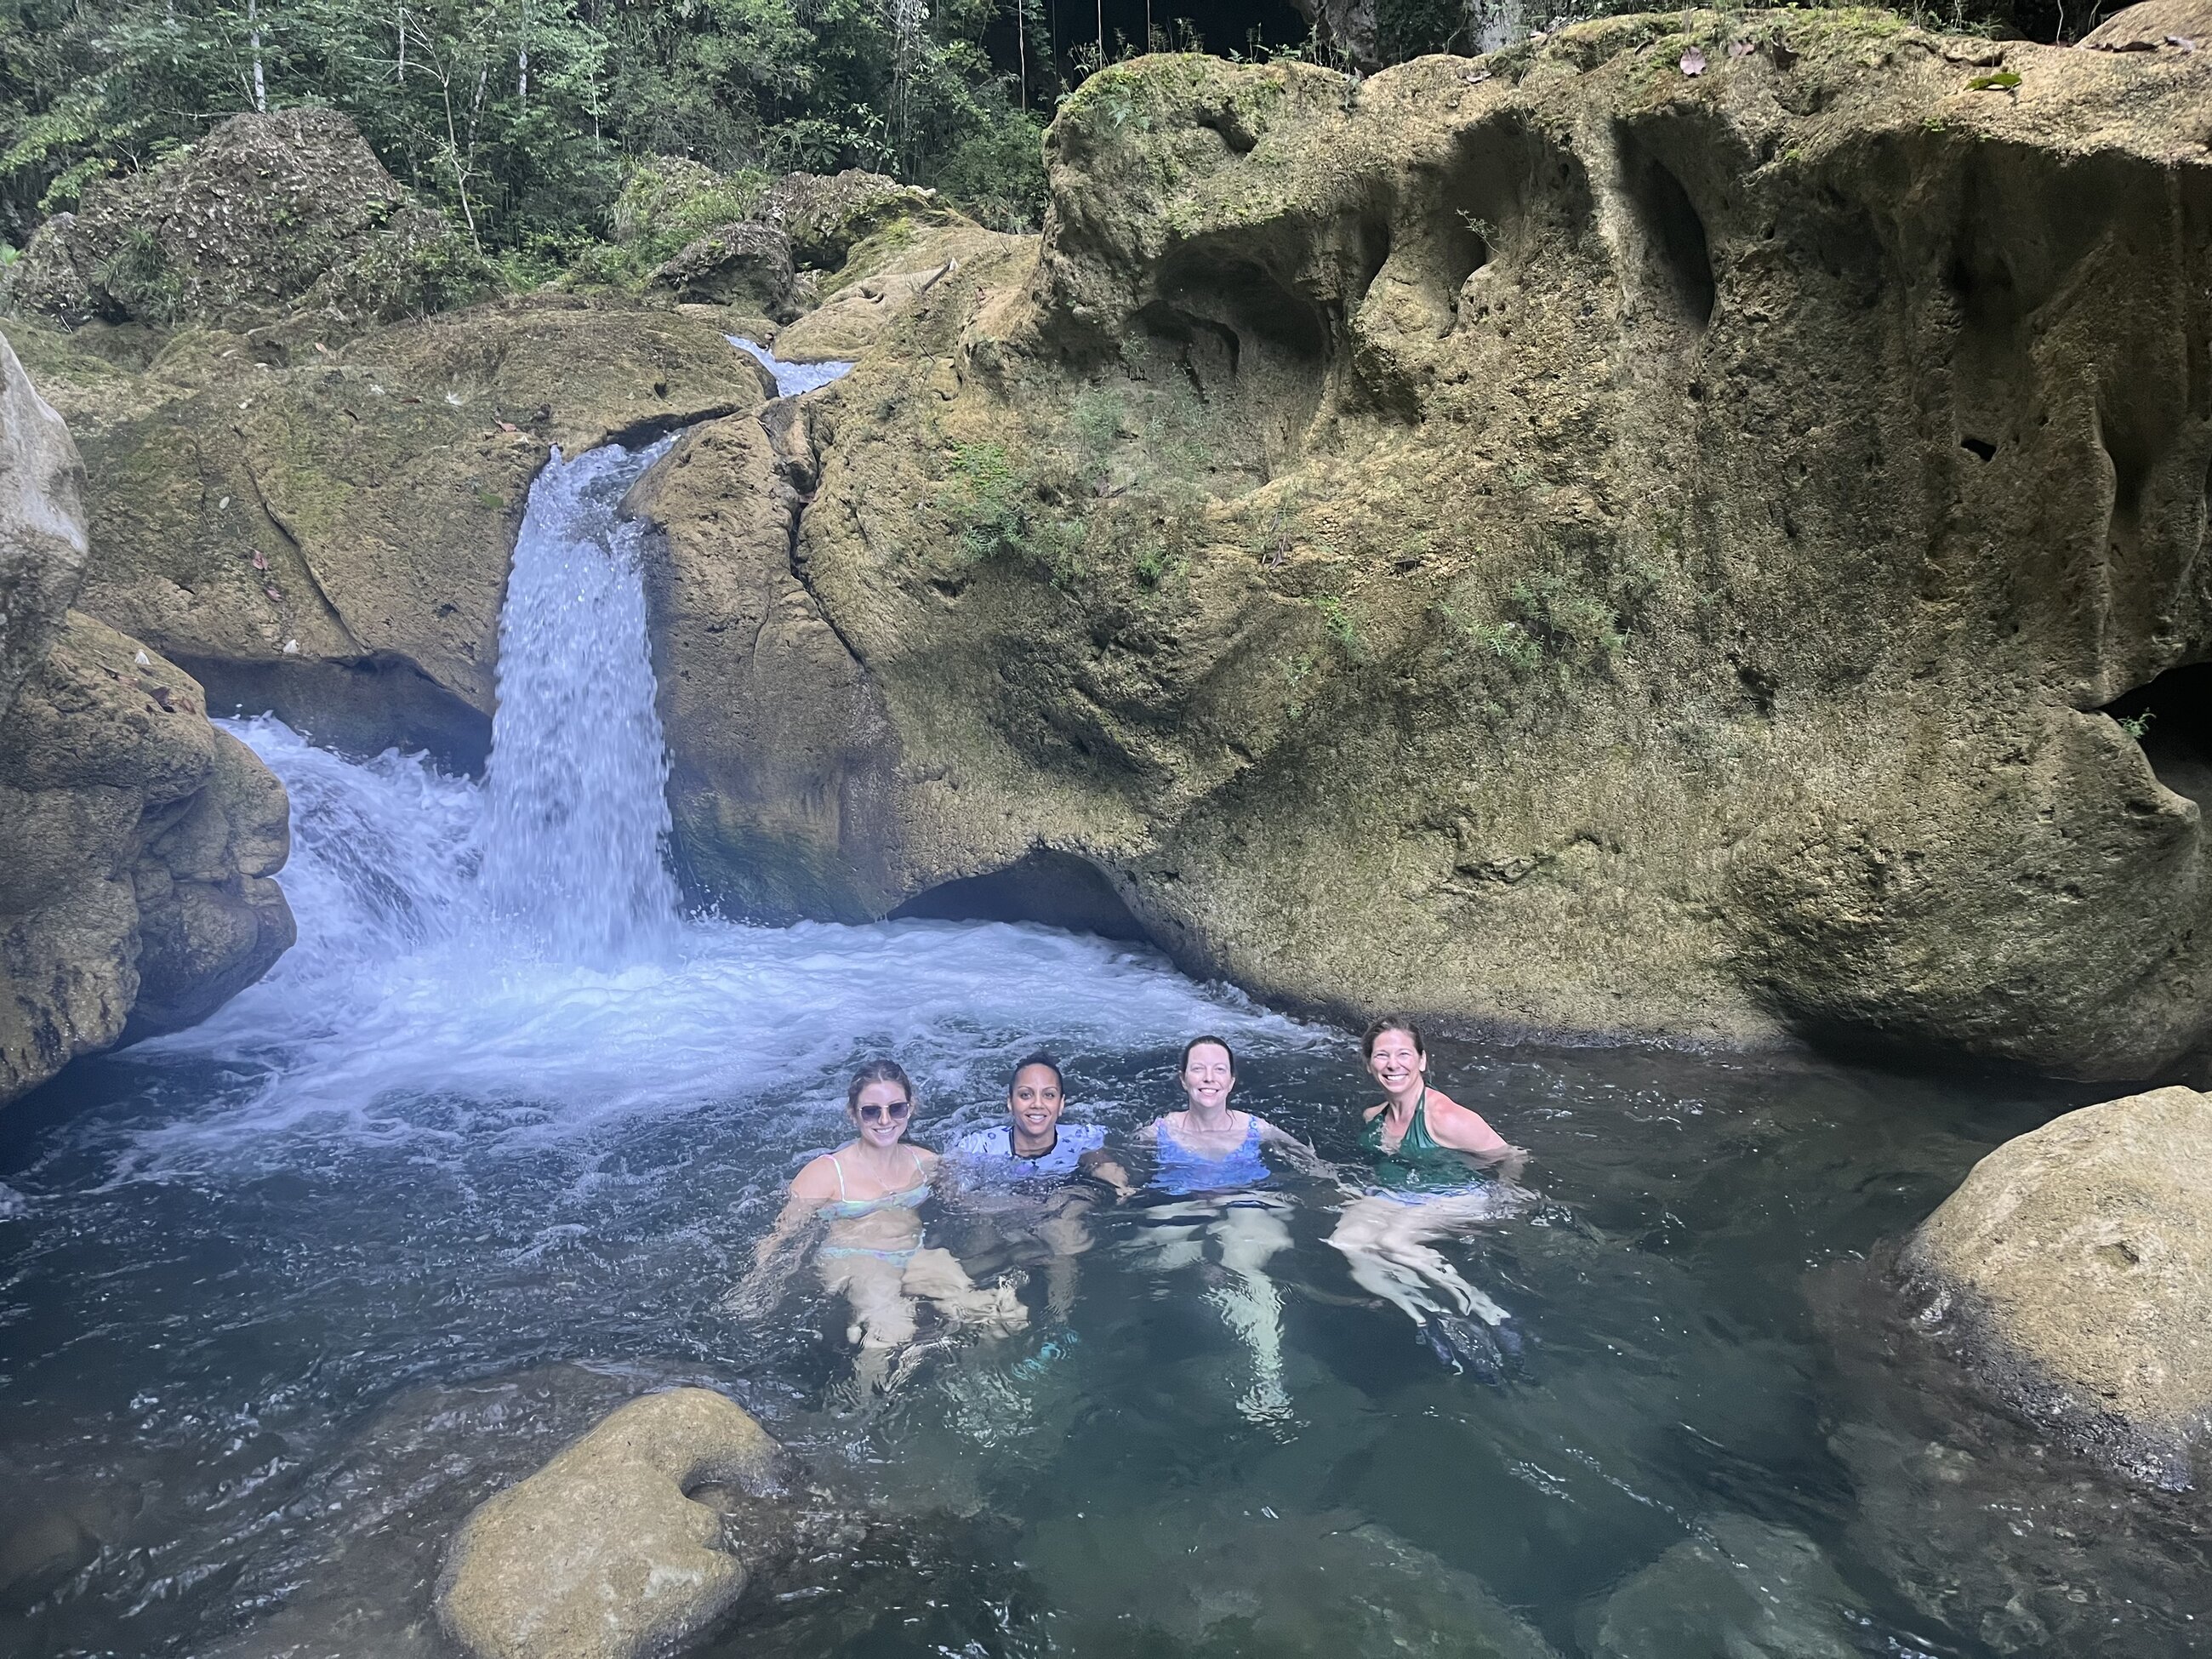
[[890, 1113]]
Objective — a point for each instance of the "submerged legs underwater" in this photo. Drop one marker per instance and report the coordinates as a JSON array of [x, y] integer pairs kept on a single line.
[[1385, 1240], [1249, 1232]]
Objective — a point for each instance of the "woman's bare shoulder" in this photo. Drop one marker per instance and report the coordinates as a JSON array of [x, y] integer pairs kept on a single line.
[[817, 1179], [1457, 1116]]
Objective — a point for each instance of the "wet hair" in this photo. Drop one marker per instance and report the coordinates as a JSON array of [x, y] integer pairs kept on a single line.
[[878, 1071], [1040, 1058], [1391, 1023], [1221, 1043]]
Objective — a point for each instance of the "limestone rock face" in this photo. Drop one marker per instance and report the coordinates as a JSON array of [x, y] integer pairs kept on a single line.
[[2074, 1264], [746, 265], [42, 536], [2171, 26], [266, 214], [1563, 544], [333, 542], [826, 215], [779, 798], [600, 1554], [136, 845], [137, 841], [880, 285]]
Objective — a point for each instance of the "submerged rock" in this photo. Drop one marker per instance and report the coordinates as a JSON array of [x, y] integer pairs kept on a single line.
[[264, 216], [2072, 1270], [1743, 1588], [1564, 545], [602, 1553], [1991, 1527], [137, 841]]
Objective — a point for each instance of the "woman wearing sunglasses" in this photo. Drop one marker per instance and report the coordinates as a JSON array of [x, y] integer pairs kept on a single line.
[[870, 1191]]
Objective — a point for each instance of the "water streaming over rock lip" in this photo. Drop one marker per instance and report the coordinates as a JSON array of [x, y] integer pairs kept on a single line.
[[578, 776], [519, 944], [791, 378]]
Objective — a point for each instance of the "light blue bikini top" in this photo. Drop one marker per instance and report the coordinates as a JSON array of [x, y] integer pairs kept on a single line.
[[842, 1208], [1179, 1169]]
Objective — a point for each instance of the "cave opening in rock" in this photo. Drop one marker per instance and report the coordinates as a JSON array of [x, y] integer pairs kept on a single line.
[[2171, 718], [1678, 255], [1056, 888], [359, 708]]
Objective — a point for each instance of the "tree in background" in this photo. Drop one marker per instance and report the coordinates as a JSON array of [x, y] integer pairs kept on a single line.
[[518, 116]]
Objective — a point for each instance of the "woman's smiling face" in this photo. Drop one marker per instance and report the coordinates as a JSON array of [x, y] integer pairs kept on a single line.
[[1208, 1075], [881, 1113], [1396, 1063], [1034, 1101]]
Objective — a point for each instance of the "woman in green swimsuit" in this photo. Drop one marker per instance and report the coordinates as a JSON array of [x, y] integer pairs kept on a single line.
[[1425, 1150], [870, 1191]]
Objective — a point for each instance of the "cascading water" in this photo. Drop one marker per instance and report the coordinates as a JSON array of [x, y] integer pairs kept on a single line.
[[578, 775], [513, 951], [791, 378]]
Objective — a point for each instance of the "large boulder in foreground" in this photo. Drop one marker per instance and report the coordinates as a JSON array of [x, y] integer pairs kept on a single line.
[[601, 1555], [1565, 544], [264, 216], [137, 841], [2073, 1270]]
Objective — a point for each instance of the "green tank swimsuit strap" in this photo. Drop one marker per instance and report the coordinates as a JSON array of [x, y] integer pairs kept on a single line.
[[1419, 1159]]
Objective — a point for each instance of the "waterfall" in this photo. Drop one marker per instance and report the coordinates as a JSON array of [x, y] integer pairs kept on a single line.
[[507, 959], [577, 831]]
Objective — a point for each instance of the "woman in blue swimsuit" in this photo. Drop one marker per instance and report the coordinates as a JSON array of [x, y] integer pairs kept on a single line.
[[1207, 1159], [870, 1191]]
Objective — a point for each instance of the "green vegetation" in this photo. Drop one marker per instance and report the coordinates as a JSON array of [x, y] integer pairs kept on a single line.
[[1343, 626], [532, 121], [994, 507], [525, 119]]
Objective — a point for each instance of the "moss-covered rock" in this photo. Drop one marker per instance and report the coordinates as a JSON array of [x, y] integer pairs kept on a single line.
[[884, 278], [331, 541], [746, 265], [1564, 544], [267, 214], [826, 216]]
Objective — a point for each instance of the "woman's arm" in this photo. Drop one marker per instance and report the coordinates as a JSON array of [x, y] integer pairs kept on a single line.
[[1466, 1131], [1299, 1156], [811, 1189]]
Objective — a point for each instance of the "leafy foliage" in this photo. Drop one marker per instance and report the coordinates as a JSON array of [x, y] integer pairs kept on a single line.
[[523, 118]]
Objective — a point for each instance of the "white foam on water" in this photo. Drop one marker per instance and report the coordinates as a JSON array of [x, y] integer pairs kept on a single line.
[[508, 959], [791, 378]]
